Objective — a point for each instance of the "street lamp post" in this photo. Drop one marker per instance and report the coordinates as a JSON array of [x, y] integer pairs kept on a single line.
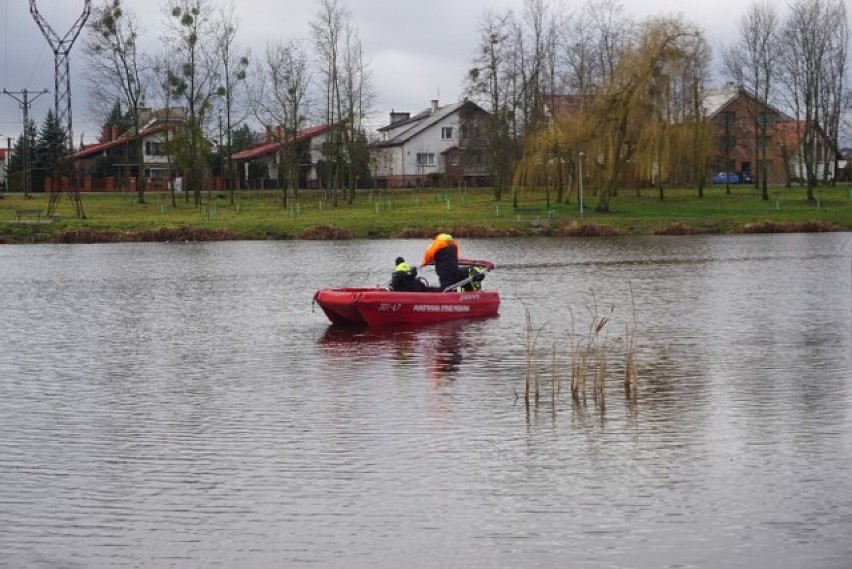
[[221, 158], [582, 154]]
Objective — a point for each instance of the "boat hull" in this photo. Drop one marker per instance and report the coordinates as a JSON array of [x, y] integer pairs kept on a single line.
[[380, 307]]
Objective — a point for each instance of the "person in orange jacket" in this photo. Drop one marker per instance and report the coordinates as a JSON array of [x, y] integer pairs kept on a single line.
[[444, 252]]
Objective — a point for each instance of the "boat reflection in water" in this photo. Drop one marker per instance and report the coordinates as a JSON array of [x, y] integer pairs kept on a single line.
[[438, 348]]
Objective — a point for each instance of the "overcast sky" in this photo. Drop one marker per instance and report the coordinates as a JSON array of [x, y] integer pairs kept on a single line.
[[417, 51]]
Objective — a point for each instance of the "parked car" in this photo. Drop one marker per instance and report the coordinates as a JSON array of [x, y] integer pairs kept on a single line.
[[726, 178], [745, 178]]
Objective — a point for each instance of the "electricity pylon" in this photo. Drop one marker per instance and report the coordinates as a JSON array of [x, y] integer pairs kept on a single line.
[[65, 175]]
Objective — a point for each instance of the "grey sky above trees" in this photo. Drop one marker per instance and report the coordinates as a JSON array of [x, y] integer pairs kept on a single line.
[[415, 52]]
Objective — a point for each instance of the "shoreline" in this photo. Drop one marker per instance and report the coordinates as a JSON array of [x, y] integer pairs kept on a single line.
[[418, 213], [334, 233]]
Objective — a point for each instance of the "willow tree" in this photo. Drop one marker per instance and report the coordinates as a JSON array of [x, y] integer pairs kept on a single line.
[[635, 110], [551, 154]]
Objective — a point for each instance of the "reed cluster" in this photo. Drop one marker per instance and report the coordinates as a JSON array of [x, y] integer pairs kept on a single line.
[[325, 233], [162, 234], [775, 227], [588, 354], [575, 229]]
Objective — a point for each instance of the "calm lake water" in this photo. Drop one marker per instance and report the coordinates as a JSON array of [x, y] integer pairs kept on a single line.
[[182, 405]]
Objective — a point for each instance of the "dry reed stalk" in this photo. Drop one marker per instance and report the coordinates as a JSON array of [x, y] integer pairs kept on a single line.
[[555, 379], [599, 387], [531, 371], [630, 372], [577, 364], [528, 359], [535, 377], [597, 353]]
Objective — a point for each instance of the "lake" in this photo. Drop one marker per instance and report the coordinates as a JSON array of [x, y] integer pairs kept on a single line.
[[185, 405]]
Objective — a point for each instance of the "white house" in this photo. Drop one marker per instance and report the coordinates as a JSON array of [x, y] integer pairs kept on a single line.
[[438, 144]]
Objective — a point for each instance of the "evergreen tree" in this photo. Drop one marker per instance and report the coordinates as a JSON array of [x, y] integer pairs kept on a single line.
[[117, 120], [51, 144], [242, 138], [16, 163]]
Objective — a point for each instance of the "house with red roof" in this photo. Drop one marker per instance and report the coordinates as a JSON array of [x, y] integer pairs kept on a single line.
[[791, 136], [732, 110], [266, 156], [112, 163]]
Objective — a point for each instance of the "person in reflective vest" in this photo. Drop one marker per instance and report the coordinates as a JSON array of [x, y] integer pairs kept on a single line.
[[444, 252], [404, 277]]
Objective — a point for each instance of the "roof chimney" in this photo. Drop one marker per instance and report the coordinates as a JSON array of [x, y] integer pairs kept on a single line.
[[434, 105], [396, 117]]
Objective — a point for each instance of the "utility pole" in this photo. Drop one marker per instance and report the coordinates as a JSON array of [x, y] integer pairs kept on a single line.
[[62, 102], [8, 159], [23, 98]]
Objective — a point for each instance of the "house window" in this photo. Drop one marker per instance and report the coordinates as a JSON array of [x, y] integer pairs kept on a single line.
[[154, 149], [469, 132], [446, 133], [425, 159], [727, 143]]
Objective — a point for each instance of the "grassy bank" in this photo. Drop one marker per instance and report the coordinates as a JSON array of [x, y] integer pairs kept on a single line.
[[419, 213]]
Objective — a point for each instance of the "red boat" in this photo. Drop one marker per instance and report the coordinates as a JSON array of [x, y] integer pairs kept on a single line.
[[382, 307]]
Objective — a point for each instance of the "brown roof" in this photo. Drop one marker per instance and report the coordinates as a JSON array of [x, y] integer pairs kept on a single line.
[[272, 146], [93, 149], [563, 105]]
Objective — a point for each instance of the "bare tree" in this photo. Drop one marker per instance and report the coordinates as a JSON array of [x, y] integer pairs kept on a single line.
[[116, 71], [613, 31], [234, 64], [327, 31], [811, 41], [835, 100], [191, 37], [580, 73], [161, 73], [696, 70], [282, 99], [358, 96], [492, 80], [752, 62]]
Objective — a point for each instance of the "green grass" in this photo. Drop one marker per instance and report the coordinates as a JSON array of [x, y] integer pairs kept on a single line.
[[419, 213]]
